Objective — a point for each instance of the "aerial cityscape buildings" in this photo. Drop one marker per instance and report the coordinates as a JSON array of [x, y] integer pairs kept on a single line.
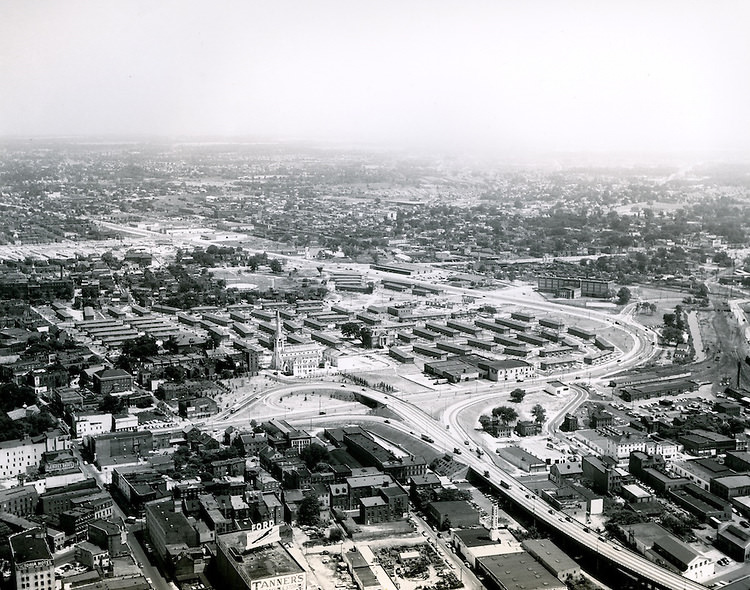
[[274, 387], [416, 295]]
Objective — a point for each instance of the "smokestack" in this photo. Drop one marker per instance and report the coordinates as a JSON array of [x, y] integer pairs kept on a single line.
[[495, 523]]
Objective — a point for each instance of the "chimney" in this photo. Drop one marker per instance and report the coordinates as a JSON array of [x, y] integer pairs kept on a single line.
[[495, 523]]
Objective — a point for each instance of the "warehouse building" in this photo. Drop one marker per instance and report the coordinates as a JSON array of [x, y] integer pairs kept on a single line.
[[517, 571]]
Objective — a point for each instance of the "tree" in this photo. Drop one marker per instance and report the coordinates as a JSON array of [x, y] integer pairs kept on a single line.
[[723, 259], [680, 525], [517, 395], [275, 266], [175, 373], [350, 330], [669, 319], [365, 335], [12, 396], [539, 413], [111, 404], [735, 425], [580, 583], [140, 347], [308, 512], [335, 535], [623, 296], [505, 413], [485, 422], [452, 495], [672, 334], [313, 454]]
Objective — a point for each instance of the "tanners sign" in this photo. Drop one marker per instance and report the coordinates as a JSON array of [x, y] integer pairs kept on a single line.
[[290, 582]]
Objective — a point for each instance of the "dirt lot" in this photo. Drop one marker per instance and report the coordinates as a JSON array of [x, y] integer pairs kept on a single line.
[[430, 568], [426, 570]]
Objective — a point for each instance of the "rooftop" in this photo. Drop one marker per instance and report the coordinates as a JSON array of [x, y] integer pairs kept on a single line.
[[734, 481], [113, 374], [454, 507], [636, 491], [519, 571], [263, 562], [476, 537], [551, 556], [109, 527], [360, 481], [735, 534], [678, 550], [29, 546]]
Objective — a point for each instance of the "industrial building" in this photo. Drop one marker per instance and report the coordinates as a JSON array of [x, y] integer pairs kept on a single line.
[[517, 571]]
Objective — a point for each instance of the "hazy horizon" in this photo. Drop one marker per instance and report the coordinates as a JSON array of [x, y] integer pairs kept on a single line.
[[505, 76]]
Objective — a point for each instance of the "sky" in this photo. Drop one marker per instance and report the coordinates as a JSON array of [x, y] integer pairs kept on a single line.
[[653, 75]]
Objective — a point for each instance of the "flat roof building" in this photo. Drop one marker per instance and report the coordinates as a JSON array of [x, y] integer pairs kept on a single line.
[[517, 571], [245, 561], [552, 557], [32, 561], [474, 543]]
